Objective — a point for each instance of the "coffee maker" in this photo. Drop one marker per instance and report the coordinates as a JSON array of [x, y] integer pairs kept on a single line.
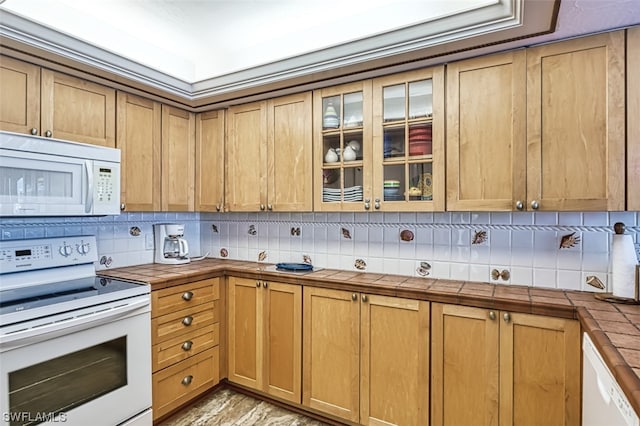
[[170, 245]]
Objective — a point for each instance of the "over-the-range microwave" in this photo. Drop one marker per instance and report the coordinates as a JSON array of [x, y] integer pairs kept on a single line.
[[51, 177]]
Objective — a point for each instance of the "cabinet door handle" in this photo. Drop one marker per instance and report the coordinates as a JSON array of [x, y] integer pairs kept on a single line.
[[187, 380], [535, 204], [48, 134], [506, 317], [187, 295], [187, 345], [354, 297], [364, 298], [492, 315], [519, 205], [257, 283], [33, 131], [187, 320]]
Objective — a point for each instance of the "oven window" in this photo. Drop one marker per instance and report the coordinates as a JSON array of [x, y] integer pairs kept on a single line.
[[47, 390]]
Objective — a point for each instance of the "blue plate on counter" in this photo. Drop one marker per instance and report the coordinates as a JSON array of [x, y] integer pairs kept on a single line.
[[294, 266]]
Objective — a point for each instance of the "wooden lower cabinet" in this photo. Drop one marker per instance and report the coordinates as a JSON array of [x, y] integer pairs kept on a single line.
[[500, 368], [366, 357], [185, 326], [265, 336]]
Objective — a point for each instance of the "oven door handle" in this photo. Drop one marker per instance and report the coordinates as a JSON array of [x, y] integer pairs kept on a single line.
[[79, 322]]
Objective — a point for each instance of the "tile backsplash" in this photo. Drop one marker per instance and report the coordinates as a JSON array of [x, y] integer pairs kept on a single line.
[[541, 249]]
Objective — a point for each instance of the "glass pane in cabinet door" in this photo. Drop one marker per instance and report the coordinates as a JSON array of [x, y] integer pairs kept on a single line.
[[393, 142], [353, 146], [420, 142], [353, 109], [331, 112], [393, 102], [331, 148], [420, 99], [331, 191], [352, 184], [420, 182], [393, 185]]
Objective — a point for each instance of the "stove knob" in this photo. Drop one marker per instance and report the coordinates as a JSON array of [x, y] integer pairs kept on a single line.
[[65, 250], [83, 248]]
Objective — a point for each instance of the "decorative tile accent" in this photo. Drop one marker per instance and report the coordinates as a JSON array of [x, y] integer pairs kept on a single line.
[[594, 281], [214, 228], [134, 231], [360, 264], [479, 237], [295, 231], [406, 235], [262, 256], [569, 240], [252, 230], [106, 261], [346, 233], [423, 268], [306, 259], [224, 252]]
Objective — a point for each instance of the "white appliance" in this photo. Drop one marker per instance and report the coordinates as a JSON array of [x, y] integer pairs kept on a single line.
[[603, 402], [75, 348], [170, 245], [50, 177]]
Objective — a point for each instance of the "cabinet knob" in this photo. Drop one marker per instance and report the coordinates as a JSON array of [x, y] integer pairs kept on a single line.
[[186, 346], [265, 284], [376, 204], [257, 283], [123, 206], [492, 315], [33, 131], [535, 204], [367, 204], [48, 134], [187, 320], [354, 297], [218, 207], [519, 205], [269, 207], [262, 207], [187, 380], [506, 317], [187, 295], [364, 298]]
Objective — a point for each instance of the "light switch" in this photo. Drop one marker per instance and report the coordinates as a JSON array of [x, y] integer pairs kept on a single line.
[[148, 241]]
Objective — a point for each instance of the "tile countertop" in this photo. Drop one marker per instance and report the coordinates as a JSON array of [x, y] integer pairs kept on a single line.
[[614, 328]]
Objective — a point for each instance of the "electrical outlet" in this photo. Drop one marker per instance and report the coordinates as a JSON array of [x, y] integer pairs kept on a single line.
[[638, 251], [148, 241]]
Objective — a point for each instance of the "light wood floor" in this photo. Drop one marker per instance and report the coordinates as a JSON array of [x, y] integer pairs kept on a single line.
[[227, 407]]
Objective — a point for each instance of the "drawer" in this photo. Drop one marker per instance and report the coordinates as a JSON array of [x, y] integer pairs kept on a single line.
[[180, 323], [182, 347], [184, 296], [183, 381]]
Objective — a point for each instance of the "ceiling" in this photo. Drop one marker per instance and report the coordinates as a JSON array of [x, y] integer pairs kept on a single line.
[[206, 52]]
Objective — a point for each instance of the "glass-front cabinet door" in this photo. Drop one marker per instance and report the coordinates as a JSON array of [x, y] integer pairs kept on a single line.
[[408, 141], [342, 147]]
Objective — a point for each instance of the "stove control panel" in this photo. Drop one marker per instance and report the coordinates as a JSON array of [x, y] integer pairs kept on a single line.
[[28, 255]]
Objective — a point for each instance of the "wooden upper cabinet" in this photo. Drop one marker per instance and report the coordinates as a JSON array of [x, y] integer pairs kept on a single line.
[[289, 155], [139, 139], [77, 110], [20, 100], [178, 159], [633, 119], [269, 153], [408, 141], [576, 124], [245, 179], [486, 132], [209, 195]]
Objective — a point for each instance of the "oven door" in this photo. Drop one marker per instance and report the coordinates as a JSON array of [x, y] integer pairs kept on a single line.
[[91, 368]]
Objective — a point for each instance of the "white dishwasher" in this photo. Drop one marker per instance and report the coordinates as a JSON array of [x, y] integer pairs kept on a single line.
[[603, 403]]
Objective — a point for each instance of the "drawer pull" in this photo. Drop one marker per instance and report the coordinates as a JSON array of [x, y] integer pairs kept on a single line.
[[186, 346], [187, 380], [187, 295], [187, 320]]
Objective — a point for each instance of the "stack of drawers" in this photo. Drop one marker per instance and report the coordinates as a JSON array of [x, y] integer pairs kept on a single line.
[[185, 336]]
